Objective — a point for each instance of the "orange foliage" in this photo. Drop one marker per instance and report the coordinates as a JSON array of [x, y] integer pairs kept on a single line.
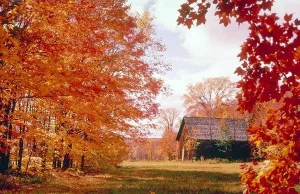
[[211, 98], [82, 71], [169, 120], [168, 145], [270, 72]]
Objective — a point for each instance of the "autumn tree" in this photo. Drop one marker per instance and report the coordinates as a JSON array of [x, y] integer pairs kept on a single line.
[[210, 98], [76, 72], [270, 72], [168, 145], [169, 120], [258, 118]]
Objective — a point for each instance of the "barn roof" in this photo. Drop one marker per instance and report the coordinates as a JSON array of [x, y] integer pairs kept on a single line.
[[203, 128]]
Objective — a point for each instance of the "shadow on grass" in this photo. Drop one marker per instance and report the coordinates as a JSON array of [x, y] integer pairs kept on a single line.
[[164, 181], [127, 180], [137, 181]]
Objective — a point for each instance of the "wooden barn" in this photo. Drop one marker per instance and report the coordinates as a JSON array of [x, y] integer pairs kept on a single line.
[[201, 137]]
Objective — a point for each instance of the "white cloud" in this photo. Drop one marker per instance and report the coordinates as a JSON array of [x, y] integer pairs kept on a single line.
[[166, 13], [210, 50]]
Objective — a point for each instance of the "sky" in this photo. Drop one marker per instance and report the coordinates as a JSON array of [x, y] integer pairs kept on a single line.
[[205, 51]]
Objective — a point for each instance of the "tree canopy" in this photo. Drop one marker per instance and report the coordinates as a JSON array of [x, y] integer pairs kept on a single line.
[[213, 97], [76, 72]]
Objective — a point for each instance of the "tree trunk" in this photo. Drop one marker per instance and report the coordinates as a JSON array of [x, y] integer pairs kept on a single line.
[[66, 161], [44, 147], [82, 162], [20, 154], [54, 163], [55, 158], [4, 162], [28, 161], [5, 156]]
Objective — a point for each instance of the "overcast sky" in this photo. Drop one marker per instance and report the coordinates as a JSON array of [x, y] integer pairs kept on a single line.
[[205, 51]]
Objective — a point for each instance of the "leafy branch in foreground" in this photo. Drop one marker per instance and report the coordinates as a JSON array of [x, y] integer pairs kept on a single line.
[[270, 60]]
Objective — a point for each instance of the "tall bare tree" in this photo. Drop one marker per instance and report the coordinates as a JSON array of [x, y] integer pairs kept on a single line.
[[169, 118]]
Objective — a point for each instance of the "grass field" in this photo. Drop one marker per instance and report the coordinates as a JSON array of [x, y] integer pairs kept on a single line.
[[206, 166], [143, 178]]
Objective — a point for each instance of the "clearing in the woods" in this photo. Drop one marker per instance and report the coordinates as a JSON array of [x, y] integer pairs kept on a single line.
[[141, 177]]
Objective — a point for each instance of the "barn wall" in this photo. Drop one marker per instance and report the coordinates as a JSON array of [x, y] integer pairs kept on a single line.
[[181, 143], [241, 150]]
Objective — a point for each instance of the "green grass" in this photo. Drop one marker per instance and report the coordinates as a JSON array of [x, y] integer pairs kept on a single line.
[[144, 178], [135, 181]]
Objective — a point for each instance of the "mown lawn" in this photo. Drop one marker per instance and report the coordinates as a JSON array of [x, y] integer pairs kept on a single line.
[[145, 177]]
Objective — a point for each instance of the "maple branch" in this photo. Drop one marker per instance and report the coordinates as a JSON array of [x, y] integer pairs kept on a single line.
[[264, 38]]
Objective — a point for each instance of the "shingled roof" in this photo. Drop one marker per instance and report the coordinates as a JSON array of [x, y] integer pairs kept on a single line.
[[203, 128]]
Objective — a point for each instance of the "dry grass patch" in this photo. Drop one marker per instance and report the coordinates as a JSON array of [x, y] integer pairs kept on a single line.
[[205, 166]]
